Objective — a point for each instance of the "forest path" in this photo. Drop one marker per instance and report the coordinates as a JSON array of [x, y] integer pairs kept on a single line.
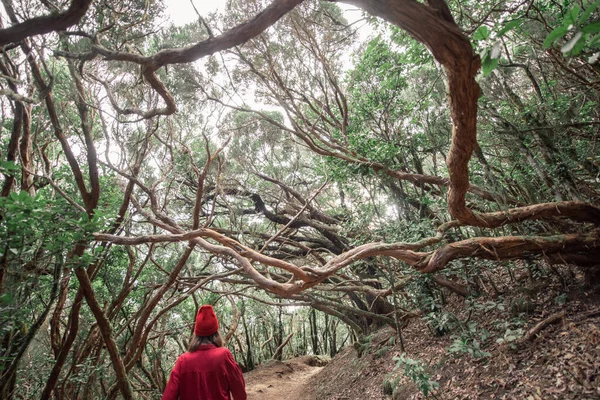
[[277, 380]]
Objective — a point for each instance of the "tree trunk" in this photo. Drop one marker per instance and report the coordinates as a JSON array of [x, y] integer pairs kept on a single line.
[[249, 353], [313, 331]]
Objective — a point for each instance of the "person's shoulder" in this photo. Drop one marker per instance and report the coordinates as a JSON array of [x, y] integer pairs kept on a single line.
[[185, 356], [222, 352]]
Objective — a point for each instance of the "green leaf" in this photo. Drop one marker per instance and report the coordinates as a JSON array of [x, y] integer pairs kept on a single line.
[[8, 167], [488, 65], [588, 11], [591, 28], [554, 36], [594, 42], [481, 33], [6, 299], [571, 17], [510, 25]]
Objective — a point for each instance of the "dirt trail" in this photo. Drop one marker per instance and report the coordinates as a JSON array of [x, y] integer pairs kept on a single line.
[[278, 380]]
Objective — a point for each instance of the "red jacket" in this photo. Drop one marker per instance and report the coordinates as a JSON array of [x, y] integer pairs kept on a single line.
[[210, 373]]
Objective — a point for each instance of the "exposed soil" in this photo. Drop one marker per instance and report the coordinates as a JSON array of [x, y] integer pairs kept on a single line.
[[286, 380]]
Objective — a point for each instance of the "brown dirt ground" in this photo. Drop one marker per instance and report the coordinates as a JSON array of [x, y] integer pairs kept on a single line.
[[286, 380]]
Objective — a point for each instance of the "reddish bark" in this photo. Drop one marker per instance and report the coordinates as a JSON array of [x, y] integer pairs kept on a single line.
[[436, 29], [105, 330], [508, 247], [61, 357], [45, 24], [451, 48]]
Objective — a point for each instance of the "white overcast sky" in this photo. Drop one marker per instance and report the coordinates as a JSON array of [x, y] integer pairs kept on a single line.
[[182, 12]]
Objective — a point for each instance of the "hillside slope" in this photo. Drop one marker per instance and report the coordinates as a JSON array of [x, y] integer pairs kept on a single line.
[[482, 355]]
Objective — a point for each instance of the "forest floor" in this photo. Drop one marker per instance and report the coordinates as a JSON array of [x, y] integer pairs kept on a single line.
[[466, 360], [277, 380]]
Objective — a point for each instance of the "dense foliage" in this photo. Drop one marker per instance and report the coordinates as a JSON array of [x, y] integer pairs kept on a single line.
[[313, 178]]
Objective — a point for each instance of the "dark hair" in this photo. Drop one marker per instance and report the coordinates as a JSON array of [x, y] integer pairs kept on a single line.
[[197, 341]]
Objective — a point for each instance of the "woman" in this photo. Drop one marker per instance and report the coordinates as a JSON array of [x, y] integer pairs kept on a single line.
[[207, 371]]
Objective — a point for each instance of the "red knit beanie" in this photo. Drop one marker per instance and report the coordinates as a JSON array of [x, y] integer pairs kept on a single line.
[[206, 322]]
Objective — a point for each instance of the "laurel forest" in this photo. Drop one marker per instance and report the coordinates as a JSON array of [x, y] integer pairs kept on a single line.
[[316, 170]]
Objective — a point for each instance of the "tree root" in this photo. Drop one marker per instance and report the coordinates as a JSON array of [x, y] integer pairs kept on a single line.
[[552, 319]]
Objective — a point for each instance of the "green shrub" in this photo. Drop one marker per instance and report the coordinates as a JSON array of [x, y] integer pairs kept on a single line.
[[415, 371], [382, 352]]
